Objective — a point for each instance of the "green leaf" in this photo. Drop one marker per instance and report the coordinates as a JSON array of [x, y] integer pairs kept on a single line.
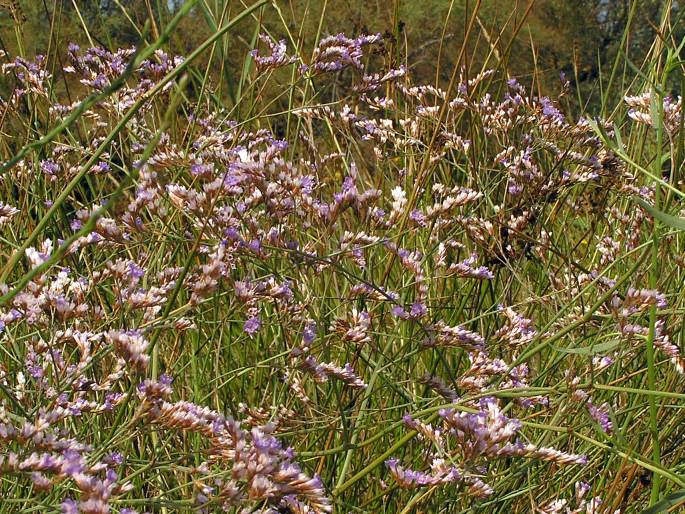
[[589, 350], [669, 501], [666, 219]]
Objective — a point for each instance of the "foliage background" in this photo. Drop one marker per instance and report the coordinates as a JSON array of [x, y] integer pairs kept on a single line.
[[580, 38]]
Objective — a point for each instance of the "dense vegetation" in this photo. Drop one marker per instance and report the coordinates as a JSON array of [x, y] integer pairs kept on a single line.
[[533, 40], [269, 257]]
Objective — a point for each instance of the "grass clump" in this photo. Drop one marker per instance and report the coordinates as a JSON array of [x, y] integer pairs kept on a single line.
[[342, 287]]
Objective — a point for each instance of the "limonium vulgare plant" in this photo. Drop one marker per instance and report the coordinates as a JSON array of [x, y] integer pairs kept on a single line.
[[390, 295]]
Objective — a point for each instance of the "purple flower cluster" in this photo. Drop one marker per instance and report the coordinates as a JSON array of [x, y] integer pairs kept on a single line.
[[479, 437], [335, 53], [278, 57], [375, 236], [260, 467]]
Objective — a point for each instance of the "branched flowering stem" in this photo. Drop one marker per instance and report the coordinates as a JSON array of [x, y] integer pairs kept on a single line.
[[509, 393], [324, 266], [433, 411], [91, 100], [423, 167], [80, 109], [421, 175], [657, 107], [586, 317], [620, 151], [177, 71], [341, 488], [379, 366], [87, 227], [146, 155], [656, 469]]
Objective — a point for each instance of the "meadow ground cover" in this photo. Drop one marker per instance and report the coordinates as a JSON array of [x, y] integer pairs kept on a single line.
[[353, 289]]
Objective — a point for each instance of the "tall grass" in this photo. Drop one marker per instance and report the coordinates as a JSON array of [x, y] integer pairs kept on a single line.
[[328, 284]]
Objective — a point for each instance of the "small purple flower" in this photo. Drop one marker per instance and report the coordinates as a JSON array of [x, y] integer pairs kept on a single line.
[[201, 169], [102, 166], [550, 111], [418, 217], [232, 234], [135, 270], [418, 310], [278, 55], [116, 458], [601, 415], [100, 82], [399, 312], [69, 507], [252, 325], [35, 371], [73, 463], [309, 333], [49, 167], [255, 245], [111, 399]]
